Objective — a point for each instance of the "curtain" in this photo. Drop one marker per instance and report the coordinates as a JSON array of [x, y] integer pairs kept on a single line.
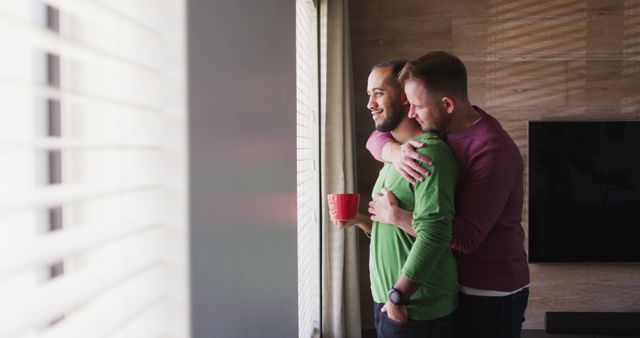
[[340, 290]]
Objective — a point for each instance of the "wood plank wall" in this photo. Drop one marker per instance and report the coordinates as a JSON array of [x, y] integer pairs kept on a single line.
[[527, 60]]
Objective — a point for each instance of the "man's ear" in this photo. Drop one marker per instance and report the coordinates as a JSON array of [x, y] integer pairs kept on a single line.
[[449, 104], [403, 98]]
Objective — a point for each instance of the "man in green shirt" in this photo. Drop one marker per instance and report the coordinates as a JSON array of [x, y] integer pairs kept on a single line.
[[413, 279]]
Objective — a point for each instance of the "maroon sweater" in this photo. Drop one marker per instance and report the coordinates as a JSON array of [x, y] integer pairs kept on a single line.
[[487, 233]]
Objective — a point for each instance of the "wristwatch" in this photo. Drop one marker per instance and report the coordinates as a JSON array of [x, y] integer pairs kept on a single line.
[[395, 297]]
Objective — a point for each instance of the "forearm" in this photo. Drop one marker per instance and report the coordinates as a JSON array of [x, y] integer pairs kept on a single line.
[[403, 219], [376, 142], [428, 248], [406, 287], [364, 223], [390, 151]]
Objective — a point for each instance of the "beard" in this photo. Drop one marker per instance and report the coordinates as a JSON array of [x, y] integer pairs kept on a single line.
[[394, 116], [439, 123]]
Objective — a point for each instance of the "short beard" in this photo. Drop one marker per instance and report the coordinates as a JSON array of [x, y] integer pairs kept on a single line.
[[440, 122], [394, 117]]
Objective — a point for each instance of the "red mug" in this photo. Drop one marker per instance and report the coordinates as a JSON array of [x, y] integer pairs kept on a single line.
[[343, 206]]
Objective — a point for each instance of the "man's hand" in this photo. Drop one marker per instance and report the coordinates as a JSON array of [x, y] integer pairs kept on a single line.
[[397, 313], [385, 209], [361, 221], [405, 160]]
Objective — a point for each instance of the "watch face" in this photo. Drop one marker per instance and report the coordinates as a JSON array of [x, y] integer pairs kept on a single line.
[[395, 297]]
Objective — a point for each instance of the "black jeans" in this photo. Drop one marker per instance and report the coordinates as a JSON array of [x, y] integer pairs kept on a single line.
[[490, 317], [435, 328]]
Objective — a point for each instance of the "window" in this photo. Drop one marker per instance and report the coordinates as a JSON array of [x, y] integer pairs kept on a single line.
[[308, 190], [93, 209]]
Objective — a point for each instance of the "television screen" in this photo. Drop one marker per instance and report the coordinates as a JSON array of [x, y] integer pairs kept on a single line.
[[584, 191]]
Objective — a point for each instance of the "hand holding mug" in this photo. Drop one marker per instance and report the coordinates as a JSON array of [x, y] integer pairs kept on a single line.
[[343, 209]]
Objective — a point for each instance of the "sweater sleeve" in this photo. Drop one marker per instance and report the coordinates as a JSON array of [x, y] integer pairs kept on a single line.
[[482, 199], [376, 142], [432, 215]]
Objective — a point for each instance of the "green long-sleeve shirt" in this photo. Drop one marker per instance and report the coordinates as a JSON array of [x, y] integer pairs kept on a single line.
[[427, 258]]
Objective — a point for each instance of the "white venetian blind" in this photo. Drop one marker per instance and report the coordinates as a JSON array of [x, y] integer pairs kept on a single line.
[[93, 219], [308, 169]]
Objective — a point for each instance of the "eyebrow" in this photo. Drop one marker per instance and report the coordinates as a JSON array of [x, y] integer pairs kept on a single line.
[[373, 89]]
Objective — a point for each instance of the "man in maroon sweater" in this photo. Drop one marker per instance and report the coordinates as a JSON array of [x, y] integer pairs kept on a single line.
[[488, 238]]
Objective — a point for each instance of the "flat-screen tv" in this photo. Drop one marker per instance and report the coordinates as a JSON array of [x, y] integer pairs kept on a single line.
[[584, 191]]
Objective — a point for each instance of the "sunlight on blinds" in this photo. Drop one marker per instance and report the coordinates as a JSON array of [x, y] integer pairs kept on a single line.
[[93, 202], [308, 170]]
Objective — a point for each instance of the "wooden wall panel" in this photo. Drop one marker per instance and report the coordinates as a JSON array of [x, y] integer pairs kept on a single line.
[[527, 60], [435, 8]]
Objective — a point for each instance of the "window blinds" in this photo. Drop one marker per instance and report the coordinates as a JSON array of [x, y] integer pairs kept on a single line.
[[93, 203], [308, 169]]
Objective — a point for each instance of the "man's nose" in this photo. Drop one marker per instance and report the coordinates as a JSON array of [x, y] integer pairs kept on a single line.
[[411, 112], [371, 104]]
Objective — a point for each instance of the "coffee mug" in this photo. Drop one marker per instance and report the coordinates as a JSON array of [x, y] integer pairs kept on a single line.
[[343, 207]]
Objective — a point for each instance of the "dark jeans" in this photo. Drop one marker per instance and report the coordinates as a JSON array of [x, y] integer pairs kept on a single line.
[[490, 317], [435, 328]]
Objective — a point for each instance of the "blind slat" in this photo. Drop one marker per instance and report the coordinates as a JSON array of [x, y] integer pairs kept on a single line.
[[16, 31], [86, 99], [65, 293], [60, 244], [97, 12], [51, 143], [120, 307], [80, 325], [52, 196]]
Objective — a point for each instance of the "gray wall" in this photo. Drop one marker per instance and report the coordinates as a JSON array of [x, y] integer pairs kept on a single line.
[[242, 168]]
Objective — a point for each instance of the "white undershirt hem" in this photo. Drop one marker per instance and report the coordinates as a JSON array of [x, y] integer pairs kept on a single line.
[[489, 293]]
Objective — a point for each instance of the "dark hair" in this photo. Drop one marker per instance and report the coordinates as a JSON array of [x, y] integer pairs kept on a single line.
[[440, 72], [396, 66]]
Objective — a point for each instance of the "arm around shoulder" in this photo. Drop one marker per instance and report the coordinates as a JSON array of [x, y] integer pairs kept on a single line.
[[376, 142]]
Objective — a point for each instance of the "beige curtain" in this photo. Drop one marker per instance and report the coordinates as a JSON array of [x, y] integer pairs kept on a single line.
[[340, 291]]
